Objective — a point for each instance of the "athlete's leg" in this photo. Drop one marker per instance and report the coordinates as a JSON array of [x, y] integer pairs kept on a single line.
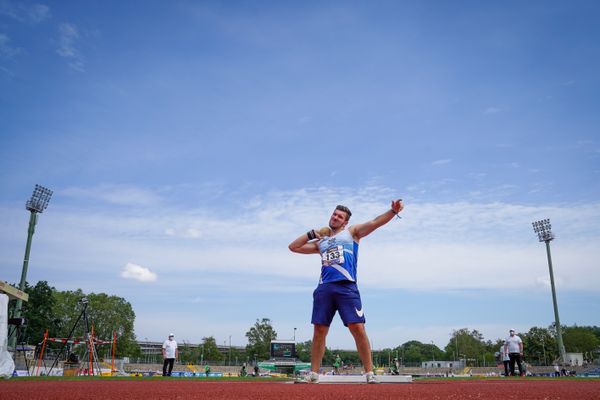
[[362, 345], [318, 347]]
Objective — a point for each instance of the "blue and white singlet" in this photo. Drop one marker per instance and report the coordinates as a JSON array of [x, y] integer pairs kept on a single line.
[[339, 256]]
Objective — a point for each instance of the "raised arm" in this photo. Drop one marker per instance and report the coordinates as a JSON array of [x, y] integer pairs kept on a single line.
[[303, 245], [361, 230]]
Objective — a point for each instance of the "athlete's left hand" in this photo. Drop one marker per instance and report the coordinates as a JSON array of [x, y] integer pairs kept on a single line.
[[397, 205]]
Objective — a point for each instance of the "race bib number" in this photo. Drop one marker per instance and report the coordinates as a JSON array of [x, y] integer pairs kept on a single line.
[[333, 255]]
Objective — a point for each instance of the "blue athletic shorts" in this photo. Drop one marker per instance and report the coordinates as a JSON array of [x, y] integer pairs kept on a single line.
[[342, 296]]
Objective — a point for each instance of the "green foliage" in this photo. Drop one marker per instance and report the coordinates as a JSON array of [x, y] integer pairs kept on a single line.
[[303, 351], [259, 339], [349, 357], [580, 339], [61, 313], [539, 345], [187, 354], [106, 314], [384, 358], [37, 311], [210, 350], [414, 351], [470, 345]]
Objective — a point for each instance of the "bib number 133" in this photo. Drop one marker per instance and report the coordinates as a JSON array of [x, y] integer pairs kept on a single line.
[[333, 255]]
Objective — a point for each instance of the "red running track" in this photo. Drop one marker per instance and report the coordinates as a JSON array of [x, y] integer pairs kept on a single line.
[[509, 389]]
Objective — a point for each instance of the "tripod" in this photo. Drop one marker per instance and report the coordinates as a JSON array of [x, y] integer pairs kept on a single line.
[[88, 337], [17, 329]]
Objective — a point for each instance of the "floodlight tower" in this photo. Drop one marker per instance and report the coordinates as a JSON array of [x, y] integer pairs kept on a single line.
[[36, 204], [543, 228]]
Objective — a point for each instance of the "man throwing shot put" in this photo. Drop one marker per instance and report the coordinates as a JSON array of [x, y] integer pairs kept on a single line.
[[337, 290]]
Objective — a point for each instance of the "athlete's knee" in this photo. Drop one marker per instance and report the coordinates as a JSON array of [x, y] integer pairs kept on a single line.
[[320, 330], [357, 329]]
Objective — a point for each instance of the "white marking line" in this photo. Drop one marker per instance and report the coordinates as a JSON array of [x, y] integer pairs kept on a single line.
[[363, 379]]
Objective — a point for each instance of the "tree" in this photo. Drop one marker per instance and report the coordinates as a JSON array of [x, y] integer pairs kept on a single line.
[[59, 312], [580, 339], [210, 350], [469, 345], [259, 339], [106, 314], [189, 354], [303, 351], [37, 312], [539, 345], [237, 356], [384, 357], [414, 351], [186, 353], [349, 357]]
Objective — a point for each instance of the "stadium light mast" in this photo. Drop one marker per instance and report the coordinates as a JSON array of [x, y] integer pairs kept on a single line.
[[543, 228], [36, 204]]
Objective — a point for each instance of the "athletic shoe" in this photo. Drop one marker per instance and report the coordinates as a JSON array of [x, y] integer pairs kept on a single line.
[[371, 378], [311, 377]]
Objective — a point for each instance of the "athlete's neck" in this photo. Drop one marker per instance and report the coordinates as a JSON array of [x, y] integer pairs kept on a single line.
[[336, 231]]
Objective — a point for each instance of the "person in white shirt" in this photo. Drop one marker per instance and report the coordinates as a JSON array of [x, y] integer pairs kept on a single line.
[[505, 360], [513, 346], [170, 353]]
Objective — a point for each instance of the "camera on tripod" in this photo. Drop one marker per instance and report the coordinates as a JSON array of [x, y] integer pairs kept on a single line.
[[84, 300]]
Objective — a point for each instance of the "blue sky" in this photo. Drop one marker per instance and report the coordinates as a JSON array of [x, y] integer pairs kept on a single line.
[[188, 142]]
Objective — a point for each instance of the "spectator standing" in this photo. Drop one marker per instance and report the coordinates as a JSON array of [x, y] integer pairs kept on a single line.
[[170, 353], [505, 360], [513, 345]]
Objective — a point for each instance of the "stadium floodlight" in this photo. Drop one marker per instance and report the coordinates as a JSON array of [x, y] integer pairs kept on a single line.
[[543, 228], [39, 199], [36, 204]]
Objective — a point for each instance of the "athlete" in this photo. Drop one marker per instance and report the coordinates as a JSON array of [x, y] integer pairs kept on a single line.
[[337, 290]]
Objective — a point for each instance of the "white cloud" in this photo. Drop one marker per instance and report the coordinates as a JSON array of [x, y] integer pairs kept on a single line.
[[67, 46], [185, 233], [6, 50], [435, 246], [138, 273], [192, 233], [431, 186], [492, 110], [32, 14], [115, 194], [436, 249], [493, 192], [442, 162], [39, 12]]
